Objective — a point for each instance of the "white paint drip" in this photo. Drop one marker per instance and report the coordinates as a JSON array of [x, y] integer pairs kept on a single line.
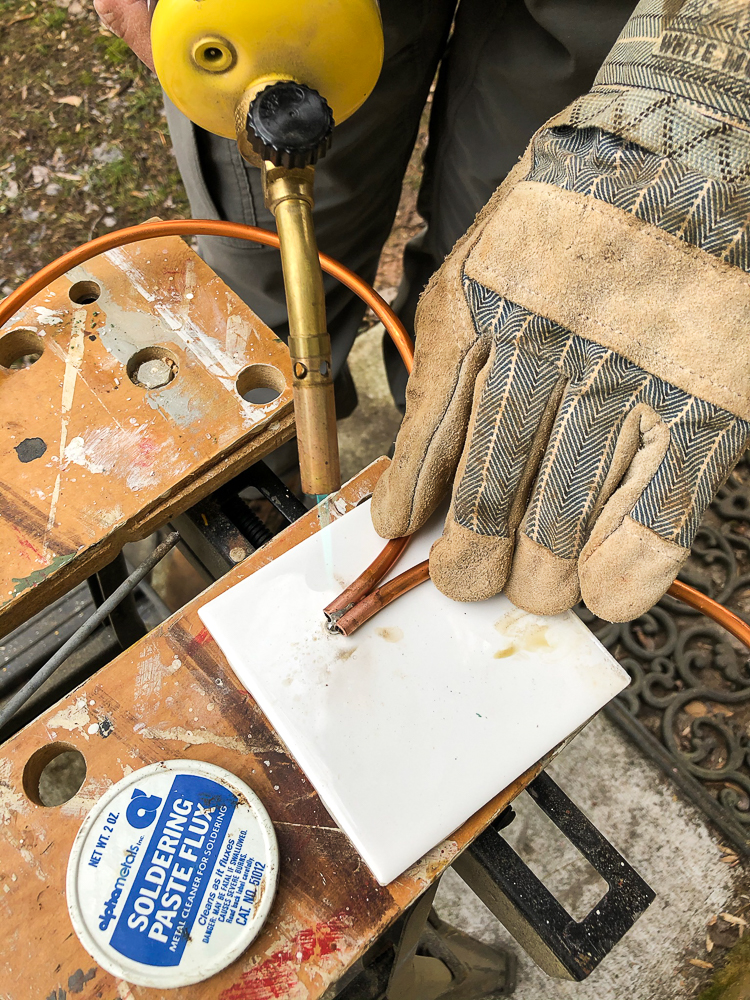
[[120, 259], [139, 479], [49, 317], [237, 333], [150, 674], [72, 717], [73, 361], [12, 801], [33, 863], [75, 453], [107, 517], [114, 451], [196, 738], [205, 348], [432, 863]]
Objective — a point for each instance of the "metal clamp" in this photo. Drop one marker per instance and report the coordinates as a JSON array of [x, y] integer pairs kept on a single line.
[[420, 957], [561, 946]]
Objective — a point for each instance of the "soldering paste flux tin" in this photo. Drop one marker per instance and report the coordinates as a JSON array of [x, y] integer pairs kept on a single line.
[[172, 874]]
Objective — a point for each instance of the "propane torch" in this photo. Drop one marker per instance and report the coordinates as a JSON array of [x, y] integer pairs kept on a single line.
[[276, 75]]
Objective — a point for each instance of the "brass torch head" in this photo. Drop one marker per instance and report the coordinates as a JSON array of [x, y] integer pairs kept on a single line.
[[289, 195], [289, 126]]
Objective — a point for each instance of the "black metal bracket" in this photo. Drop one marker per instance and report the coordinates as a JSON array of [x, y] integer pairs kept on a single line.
[[210, 540], [125, 619], [222, 530], [561, 946], [273, 489]]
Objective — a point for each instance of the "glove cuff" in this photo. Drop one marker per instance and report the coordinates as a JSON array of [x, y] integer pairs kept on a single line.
[[677, 82], [668, 307]]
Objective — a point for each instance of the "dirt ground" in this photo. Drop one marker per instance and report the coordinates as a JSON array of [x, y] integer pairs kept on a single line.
[[84, 145]]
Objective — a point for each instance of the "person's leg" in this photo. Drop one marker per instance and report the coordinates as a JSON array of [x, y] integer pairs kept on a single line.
[[357, 185], [509, 67]]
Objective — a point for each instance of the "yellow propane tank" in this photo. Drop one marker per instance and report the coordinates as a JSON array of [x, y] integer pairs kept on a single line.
[[213, 56]]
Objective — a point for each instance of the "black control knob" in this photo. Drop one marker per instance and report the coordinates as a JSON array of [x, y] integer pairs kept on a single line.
[[290, 124]]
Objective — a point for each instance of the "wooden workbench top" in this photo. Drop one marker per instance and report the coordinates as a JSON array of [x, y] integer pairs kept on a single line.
[[89, 457], [172, 695]]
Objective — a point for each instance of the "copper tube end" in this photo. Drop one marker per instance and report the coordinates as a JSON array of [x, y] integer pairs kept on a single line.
[[368, 580], [362, 612], [356, 616]]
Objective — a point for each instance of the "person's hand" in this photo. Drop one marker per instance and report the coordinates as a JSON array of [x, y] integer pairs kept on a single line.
[[582, 371], [131, 20]]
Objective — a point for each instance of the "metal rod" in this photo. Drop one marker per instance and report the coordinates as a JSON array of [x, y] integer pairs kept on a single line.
[[125, 619], [89, 626], [289, 195], [157, 603]]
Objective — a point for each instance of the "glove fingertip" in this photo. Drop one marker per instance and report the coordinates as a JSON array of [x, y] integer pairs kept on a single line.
[[400, 506], [625, 575], [541, 582], [466, 566], [391, 514]]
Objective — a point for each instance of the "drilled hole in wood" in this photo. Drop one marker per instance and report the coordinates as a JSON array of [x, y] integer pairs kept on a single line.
[[54, 774], [20, 349], [83, 293], [260, 384], [152, 368]]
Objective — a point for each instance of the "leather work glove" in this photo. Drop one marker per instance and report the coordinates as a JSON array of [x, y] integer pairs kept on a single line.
[[582, 371]]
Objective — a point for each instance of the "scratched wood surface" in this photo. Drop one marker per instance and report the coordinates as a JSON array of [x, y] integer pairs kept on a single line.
[[89, 459], [173, 695]]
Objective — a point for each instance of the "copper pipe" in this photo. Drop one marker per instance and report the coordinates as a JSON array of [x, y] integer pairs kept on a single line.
[[712, 609], [381, 598], [365, 583], [203, 227]]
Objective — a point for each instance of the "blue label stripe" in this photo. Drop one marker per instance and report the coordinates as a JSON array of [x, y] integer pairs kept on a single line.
[[177, 866]]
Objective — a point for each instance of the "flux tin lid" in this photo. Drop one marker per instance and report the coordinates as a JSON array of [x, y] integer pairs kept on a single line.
[[172, 874]]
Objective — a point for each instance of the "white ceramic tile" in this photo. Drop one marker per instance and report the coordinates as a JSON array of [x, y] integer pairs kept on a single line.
[[432, 708]]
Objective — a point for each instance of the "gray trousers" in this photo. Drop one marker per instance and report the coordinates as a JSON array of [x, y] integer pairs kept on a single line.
[[507, 67]]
